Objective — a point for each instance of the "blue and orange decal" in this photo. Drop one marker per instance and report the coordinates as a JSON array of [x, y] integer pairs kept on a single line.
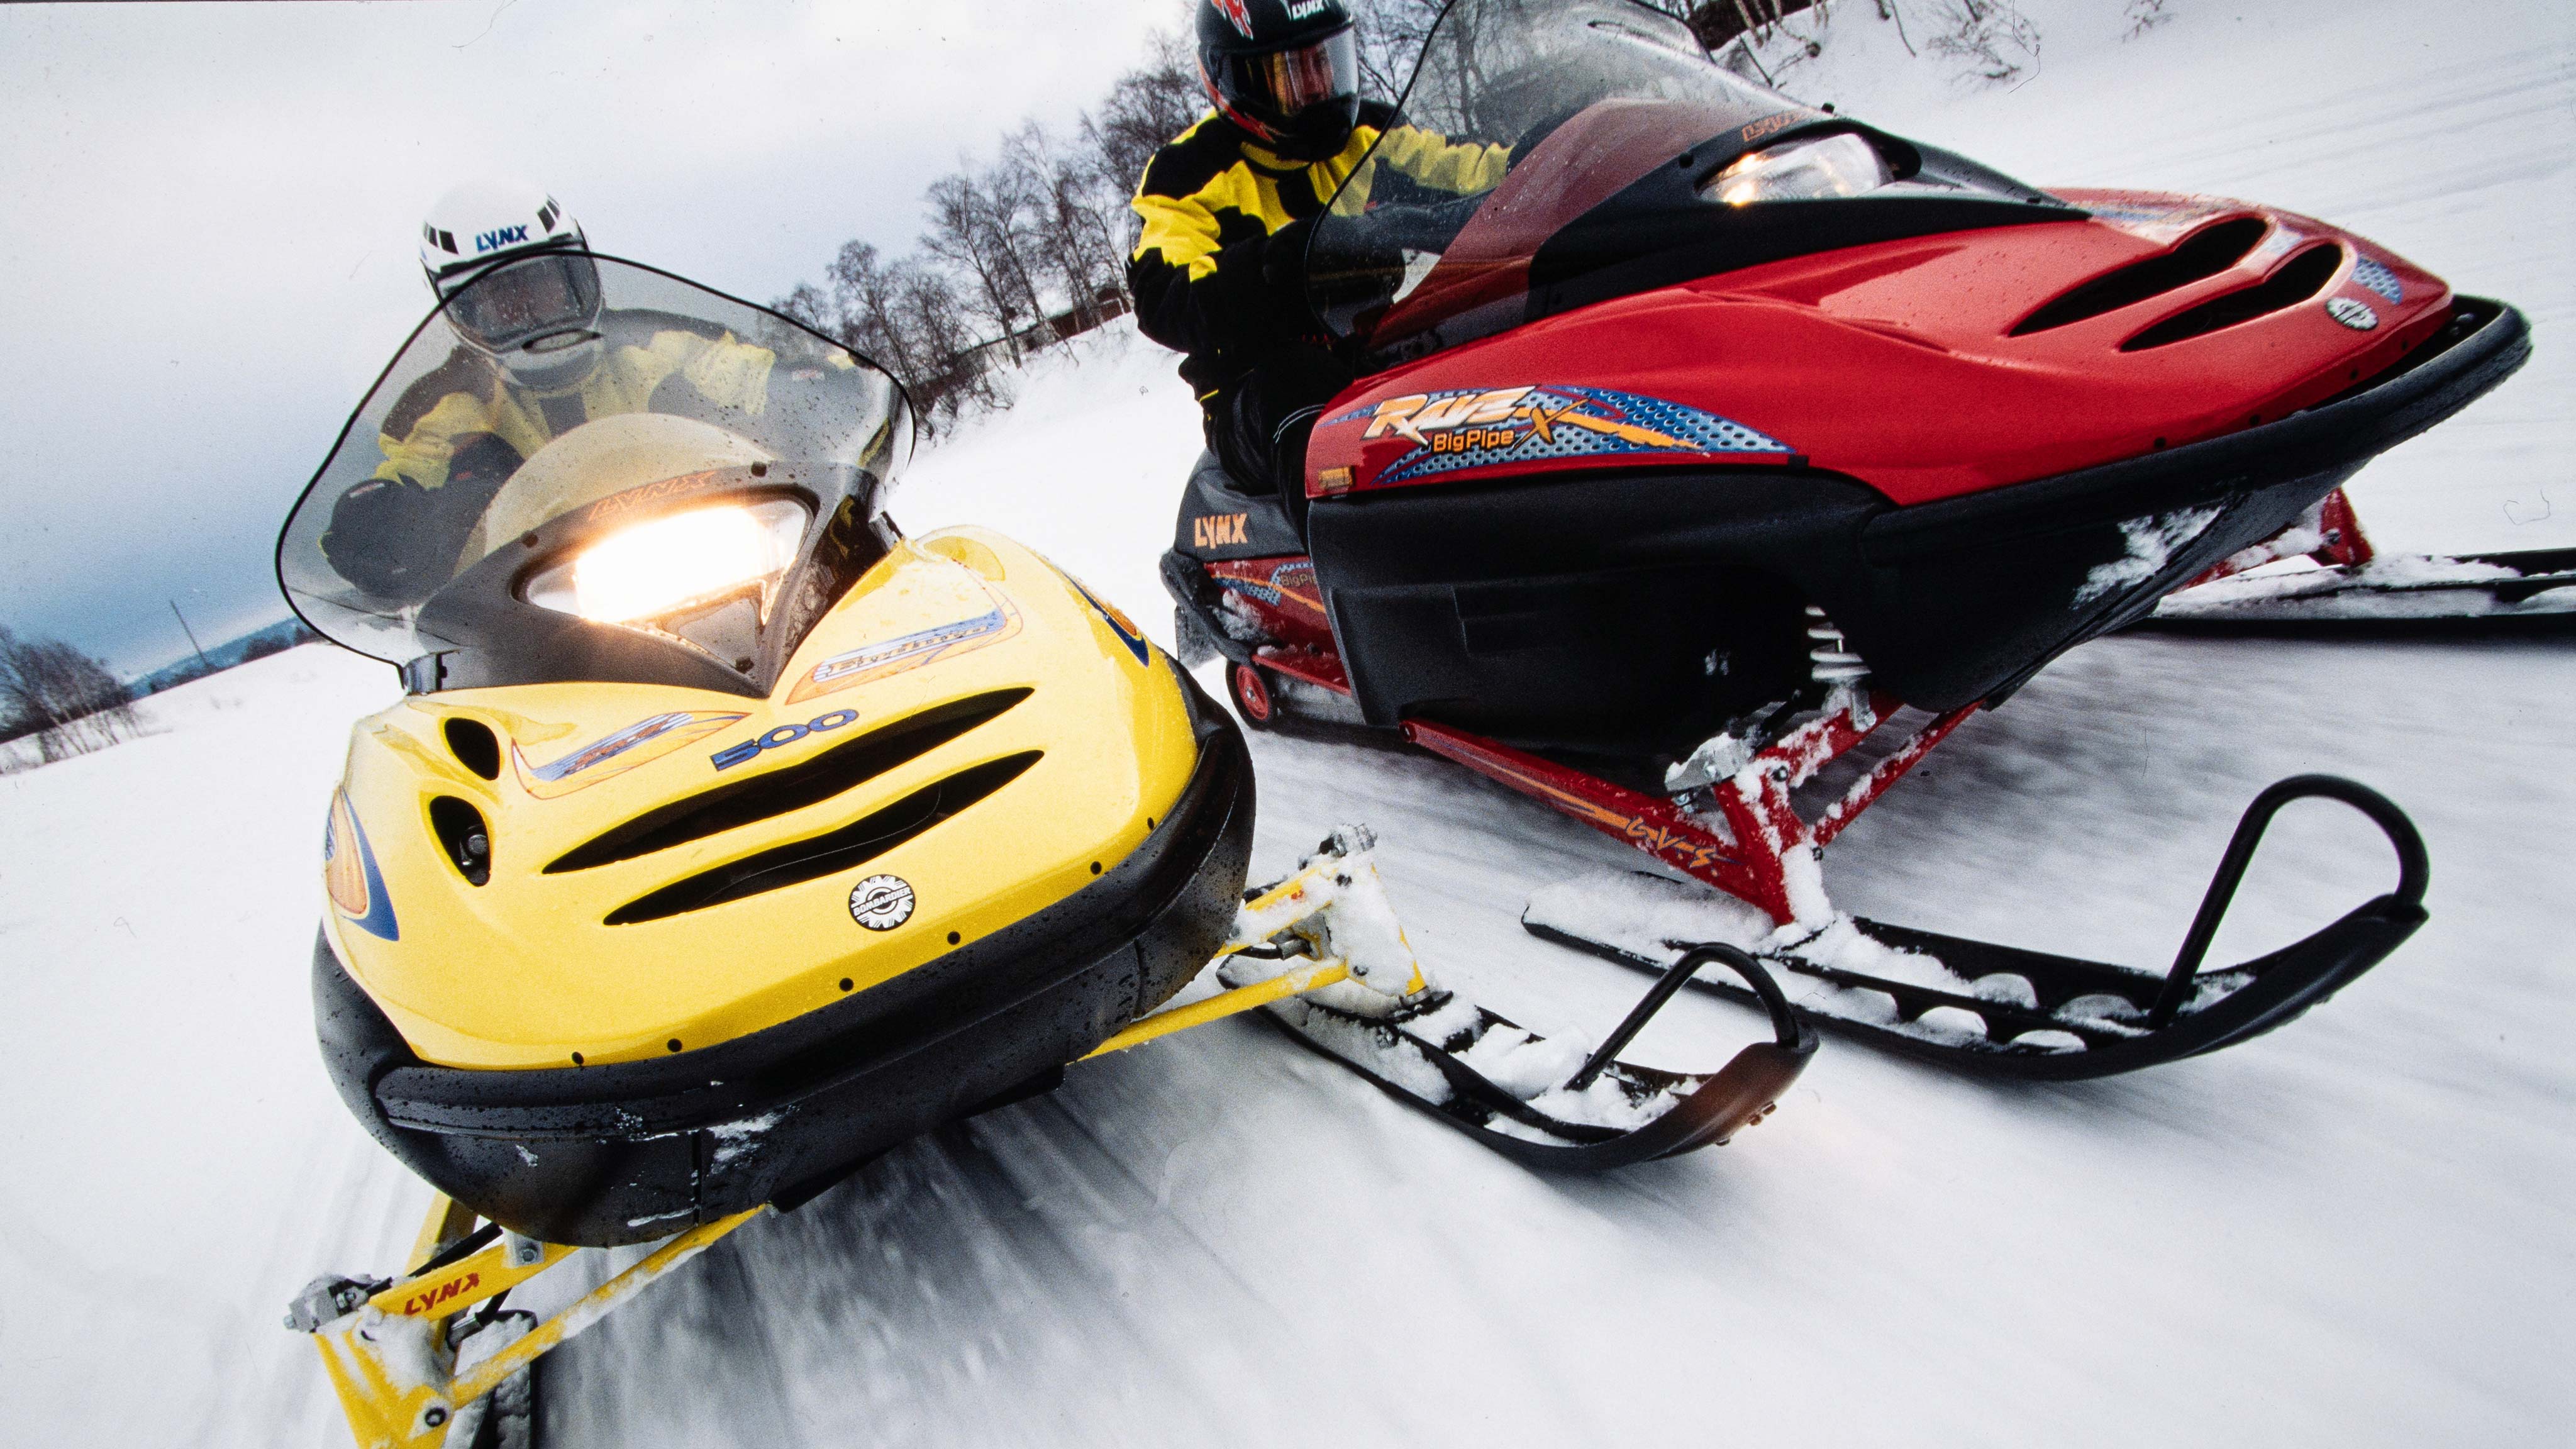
[[1119, 624], [853, 667], [1472, 428], [350, 876], [640, 743]]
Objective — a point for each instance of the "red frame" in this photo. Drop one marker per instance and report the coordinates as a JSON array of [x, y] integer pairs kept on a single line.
[[1766, 852]]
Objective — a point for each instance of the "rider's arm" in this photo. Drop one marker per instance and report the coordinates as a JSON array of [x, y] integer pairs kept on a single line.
[[1436, 163], [725, 372], [1196, 270], [427, 440]]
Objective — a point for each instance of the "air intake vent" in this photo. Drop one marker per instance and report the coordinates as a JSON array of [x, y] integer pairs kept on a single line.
[[2204, 254], [2298, 279], [789, 787], [853, 844]]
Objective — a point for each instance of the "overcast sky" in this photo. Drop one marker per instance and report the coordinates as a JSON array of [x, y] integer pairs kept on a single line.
[[207, 214]]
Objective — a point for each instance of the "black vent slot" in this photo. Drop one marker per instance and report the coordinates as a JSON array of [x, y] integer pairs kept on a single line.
[[474, 746], [789, 787], [2203, 254], [861, 840], [2298, 279], [463, 835]]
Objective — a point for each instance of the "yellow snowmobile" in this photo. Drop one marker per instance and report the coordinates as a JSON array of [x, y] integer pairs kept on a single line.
[[725, 837]]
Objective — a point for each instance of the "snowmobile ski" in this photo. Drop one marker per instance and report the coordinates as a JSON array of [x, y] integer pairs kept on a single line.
[[431, 1359], [2000, 1010], [2530, 587], [1540, 1101], [2322, 575]]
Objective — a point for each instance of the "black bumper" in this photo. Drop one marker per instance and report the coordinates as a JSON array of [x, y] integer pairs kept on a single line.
[[634, 1151], [1639, 610]]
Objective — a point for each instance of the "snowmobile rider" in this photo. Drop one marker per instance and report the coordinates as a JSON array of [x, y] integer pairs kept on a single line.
[[1228, 205], [537, 357]]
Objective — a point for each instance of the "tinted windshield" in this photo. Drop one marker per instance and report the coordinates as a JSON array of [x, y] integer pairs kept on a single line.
[[1577, 99], [604, 443]]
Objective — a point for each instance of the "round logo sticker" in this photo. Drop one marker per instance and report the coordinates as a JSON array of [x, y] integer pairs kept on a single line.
[[2352, 312], [881, 902]]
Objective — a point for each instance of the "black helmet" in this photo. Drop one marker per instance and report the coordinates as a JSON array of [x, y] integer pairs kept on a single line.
[[1285, 70]]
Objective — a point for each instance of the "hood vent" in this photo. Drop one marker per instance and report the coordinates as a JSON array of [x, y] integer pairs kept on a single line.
[[789, 787], [856, 843], [2295, 281], [2202, 255]]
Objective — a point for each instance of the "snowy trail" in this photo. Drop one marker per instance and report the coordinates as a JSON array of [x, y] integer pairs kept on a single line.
[[2353, 1231], [2349, 1232]]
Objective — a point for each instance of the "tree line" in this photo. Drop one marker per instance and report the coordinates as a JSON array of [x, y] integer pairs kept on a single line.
[[1030, 248], [66, 699], [1017, 253]]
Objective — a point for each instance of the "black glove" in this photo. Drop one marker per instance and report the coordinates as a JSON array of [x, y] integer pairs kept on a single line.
[[375, 539], [1283, 256]]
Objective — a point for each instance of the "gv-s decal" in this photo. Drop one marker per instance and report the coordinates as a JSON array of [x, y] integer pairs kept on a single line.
[[870, 662]]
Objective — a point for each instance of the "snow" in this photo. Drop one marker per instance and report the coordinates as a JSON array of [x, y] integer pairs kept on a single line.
[[2353, 1231], [2150, 541]]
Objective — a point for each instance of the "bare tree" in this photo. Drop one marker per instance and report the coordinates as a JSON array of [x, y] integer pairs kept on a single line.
[[1994, 41], [1148, 106], [979, 234], [1071, 215], [66, 699]]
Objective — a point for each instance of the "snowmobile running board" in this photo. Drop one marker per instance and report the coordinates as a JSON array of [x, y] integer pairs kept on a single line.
[[1321, 949]]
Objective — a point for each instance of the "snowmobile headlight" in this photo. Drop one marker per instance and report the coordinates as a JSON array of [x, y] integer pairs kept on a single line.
[[1838, 165], [654, 567]]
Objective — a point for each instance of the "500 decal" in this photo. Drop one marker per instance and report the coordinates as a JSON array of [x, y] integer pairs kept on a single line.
[[787, 734]]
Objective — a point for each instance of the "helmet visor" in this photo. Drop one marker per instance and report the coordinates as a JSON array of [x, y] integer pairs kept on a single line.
[[1279, 85], [523, 300]]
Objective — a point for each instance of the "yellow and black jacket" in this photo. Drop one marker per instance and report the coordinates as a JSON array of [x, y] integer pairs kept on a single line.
[[471, 396], [1211, 198], [459, 432]]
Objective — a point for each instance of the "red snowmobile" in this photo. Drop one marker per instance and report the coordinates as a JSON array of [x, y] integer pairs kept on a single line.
[[1722, 429]]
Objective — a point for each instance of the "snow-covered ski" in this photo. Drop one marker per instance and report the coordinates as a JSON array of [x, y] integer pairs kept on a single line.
[[2401, 590], [1546, 1101], [2000, 1010]]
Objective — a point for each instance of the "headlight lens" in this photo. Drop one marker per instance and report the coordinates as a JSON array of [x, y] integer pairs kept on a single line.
[[1839, 165], [662, 564]]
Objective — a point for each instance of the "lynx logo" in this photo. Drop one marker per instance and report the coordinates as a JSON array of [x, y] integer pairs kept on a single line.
[[491, 241], [1303, 8], [1237, 11], [1216, 530], [420, 1303]]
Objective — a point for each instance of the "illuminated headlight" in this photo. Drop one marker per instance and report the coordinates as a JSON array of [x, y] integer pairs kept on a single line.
[[1839, 165], [659, 565]]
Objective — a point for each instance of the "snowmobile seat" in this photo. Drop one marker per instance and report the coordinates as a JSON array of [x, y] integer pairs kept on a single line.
[[1222, 519]]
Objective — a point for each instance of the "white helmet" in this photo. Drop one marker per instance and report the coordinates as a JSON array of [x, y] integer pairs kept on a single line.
[[514, 274]]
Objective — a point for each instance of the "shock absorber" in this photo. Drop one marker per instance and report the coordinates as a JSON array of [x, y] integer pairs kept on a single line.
[[1831, 663]]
